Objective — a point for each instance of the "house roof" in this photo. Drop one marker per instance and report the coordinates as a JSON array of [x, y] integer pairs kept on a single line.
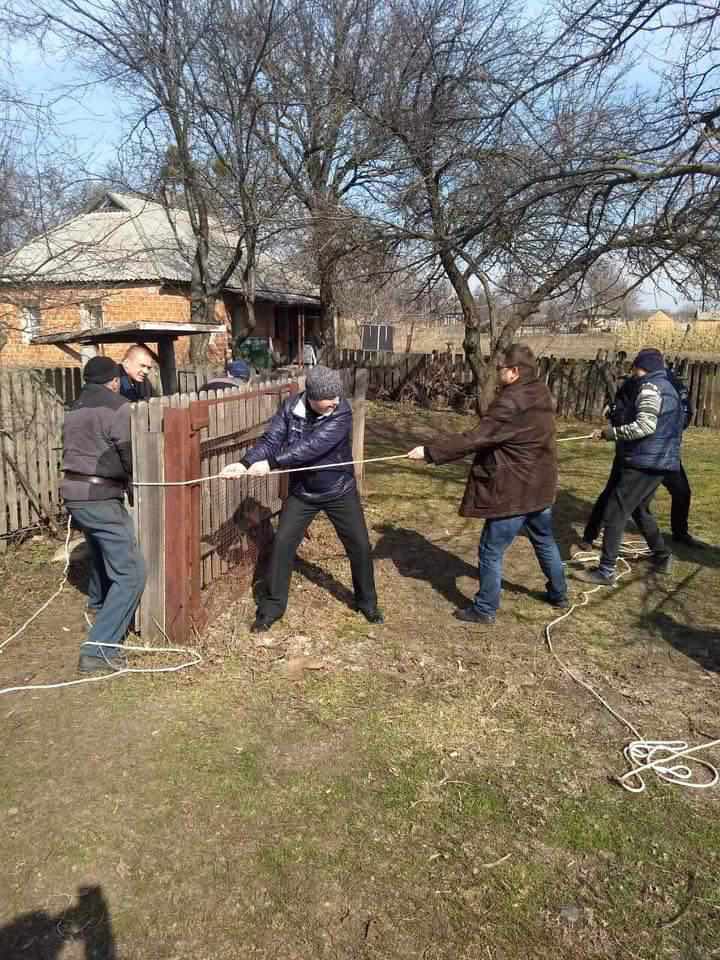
[[122, 237]]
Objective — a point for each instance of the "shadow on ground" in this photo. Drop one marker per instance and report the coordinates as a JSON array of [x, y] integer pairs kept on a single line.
[[42, 936]]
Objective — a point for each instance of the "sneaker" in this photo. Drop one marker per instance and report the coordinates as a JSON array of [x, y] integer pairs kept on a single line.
[[688, 540], [582, 546], [595, 576], [88, 664], [471, 615], [373, 616], [662, 565]]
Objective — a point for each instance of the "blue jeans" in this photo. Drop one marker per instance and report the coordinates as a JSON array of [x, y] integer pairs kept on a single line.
[[117, 576], [497, 536]]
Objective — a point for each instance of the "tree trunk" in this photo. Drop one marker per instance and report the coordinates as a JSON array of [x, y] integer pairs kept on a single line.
[[328, 306], [242, 324]]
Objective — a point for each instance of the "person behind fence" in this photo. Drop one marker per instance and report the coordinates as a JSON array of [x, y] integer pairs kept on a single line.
[[137, 365], [512, 482], [647, 428], [97, 468], [237, 374], [312, 430], [675, 481]]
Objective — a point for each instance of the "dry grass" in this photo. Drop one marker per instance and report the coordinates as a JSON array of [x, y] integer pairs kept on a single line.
[[418, 789]]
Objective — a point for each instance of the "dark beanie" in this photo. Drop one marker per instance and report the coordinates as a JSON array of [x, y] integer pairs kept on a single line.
[[322, 383], [649, 359], [101, 370]]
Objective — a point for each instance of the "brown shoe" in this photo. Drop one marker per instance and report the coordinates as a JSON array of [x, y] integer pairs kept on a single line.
[[581, 547]]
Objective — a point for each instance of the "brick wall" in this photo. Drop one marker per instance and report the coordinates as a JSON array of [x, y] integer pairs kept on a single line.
[[62, 310]]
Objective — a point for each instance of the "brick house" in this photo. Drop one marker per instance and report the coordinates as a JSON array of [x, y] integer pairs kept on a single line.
[[125, 265]]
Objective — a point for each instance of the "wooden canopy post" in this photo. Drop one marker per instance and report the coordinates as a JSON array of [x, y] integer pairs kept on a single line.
[[166, 360]]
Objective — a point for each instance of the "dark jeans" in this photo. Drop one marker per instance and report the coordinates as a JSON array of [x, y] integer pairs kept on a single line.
[[497, 536], [346, 515], [117, 576], [631, 496], [675, 482]]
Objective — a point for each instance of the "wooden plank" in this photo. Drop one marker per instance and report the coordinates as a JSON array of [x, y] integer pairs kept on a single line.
[[5, 526], [714, 399], [178, 533], [20, 444], [45, 444], [205, 547], [212, 486], [358, 437], [148, 446], [28, 390]]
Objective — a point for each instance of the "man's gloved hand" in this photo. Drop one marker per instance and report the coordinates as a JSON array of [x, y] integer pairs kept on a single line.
[[233, 471], [259, 469], [417, 453]]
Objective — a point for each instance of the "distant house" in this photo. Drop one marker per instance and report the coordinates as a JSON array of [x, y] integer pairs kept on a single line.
[[124, 266]]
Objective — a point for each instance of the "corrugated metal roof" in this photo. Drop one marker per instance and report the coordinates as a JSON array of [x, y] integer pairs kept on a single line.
[[128, 238]]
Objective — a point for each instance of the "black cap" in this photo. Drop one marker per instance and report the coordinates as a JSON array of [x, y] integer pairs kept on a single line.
[[101, 370]]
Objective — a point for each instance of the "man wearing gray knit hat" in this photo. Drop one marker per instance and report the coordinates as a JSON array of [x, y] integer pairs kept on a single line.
[[313, 431]]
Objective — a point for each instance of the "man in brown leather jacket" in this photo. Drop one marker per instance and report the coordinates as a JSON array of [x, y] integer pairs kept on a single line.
[[513, 480]]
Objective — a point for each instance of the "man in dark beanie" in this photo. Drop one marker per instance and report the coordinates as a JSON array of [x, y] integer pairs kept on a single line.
[[512, 483], [647, 426], [312, 430], [97, 466]]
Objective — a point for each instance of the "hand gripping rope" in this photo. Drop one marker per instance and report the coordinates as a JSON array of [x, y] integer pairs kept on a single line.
[[642, 755]]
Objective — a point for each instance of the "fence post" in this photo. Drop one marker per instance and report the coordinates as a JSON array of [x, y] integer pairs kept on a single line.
[[358, 438], [178, 526]]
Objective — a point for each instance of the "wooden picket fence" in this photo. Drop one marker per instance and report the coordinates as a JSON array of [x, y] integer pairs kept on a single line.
[[194, 536], [578, 386], [31, 416]]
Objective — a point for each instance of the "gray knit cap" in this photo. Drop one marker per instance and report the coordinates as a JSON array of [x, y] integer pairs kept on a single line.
[[322, 383]]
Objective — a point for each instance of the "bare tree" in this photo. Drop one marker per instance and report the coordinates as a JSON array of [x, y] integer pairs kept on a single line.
[[326, 149], [191, 70]]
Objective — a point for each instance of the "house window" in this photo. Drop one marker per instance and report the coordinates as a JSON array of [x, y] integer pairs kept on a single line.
[[91, 314], [30, 320]]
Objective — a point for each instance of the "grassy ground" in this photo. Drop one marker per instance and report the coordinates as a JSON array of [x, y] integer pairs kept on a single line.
[[420, 789]]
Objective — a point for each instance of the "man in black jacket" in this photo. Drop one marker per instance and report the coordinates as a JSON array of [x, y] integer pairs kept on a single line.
[[97, 463], [675, 481], [648, 433], [312, 430]]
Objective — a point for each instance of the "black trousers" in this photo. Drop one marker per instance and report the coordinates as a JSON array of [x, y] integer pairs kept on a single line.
[[346, 515], [631, 497], [675, 482]]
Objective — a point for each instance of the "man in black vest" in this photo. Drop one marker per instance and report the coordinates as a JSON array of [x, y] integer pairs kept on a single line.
[[97, 466], [647, 427], [675, 481]]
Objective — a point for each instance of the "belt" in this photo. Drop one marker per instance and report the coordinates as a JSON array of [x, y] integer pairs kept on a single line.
[[95, 481]]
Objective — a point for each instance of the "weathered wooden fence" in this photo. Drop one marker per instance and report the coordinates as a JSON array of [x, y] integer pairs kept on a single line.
[[193, 536], [31, 416], [577, 386]]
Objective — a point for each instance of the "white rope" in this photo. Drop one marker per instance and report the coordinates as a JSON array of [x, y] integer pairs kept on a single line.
[[642, 755], [114, 671], [259, 476], [276, 473]]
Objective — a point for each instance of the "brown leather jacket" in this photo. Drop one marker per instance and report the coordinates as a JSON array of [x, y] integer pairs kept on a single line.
[[515, 465]]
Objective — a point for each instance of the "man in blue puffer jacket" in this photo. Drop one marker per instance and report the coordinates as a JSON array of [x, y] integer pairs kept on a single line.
[[312, 430], [648, 431]]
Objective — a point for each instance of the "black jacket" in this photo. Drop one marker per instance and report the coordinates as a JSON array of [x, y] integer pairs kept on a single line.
[[96, 442], [298, 437]]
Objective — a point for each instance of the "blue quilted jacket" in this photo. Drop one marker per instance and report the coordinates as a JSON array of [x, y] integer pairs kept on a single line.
[[298, 437]]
